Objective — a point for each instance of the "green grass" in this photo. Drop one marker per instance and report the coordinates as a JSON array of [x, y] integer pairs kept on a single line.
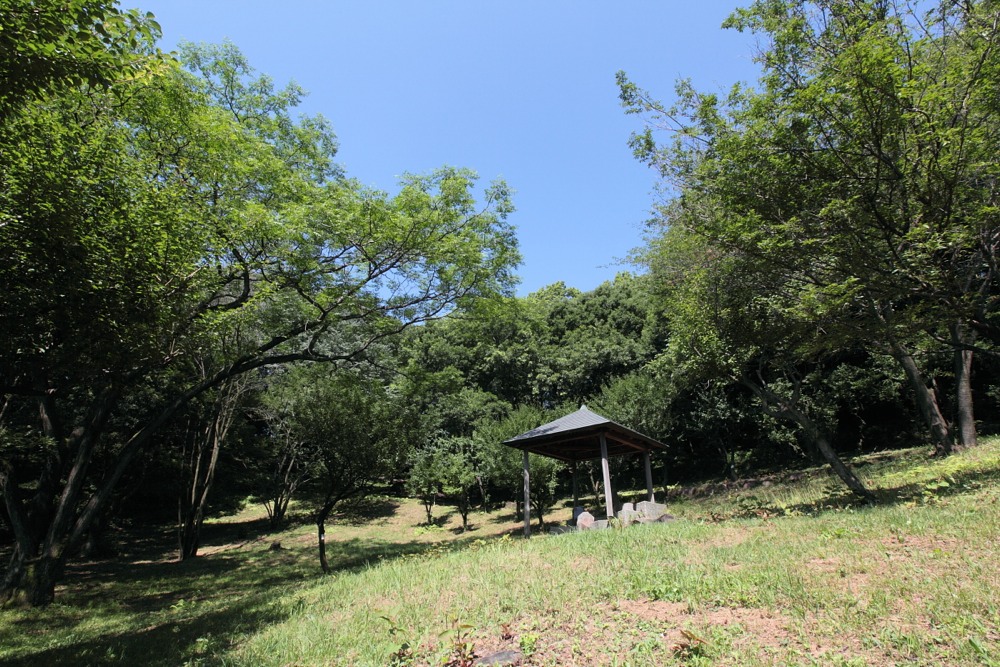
[[786, 571]]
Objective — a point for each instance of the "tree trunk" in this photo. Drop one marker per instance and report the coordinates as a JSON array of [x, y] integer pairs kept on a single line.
[[927, 400], [815, 436], [204, 459], [464, 505], [321, 517], [964, 415], [826, 451], [43, 526], [595, 486], [539, 511], [42, 576], [287, 477], [429, 509], [95, 544], [12, 577]]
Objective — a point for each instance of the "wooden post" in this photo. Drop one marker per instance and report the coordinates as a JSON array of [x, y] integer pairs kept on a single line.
[[649, 477], [527, 497], [608, 503], [576, 486]]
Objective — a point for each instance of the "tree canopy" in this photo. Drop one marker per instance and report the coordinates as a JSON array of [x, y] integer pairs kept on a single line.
[[185, 213]]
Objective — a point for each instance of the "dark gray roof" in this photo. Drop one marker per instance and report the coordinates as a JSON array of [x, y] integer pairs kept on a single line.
[[577, 437], [582, 418]]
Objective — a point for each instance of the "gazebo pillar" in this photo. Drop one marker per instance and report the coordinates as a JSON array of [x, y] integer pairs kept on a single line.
[[527, 497], [649, 477], [576, 484], [608, 504]]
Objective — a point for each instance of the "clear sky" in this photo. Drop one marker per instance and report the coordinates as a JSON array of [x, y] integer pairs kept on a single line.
[[514, 89]]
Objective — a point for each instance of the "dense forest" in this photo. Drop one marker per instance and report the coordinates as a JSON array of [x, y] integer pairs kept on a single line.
[[201, 308]]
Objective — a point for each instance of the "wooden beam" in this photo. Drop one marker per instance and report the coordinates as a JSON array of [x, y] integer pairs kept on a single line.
[[608, 504], [576, 485], [649, 478], [527, 497]]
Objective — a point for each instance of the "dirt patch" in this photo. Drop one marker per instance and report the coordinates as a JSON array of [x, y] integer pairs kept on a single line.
[[648, 632], [642, 632], [920, 542], [727, 539], [761, 627]]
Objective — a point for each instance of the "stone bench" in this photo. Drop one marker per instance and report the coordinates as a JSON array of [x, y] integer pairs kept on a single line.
[[642, 512]]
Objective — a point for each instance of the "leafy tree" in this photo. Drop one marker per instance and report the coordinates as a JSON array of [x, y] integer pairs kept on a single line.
[[50, 45], [357, 433], [545, 475], [502, 466], [200, 457], [855, 182], [163, 215], [282, 463], [591, 337], [458, 476], [445, 468], [424, 479]]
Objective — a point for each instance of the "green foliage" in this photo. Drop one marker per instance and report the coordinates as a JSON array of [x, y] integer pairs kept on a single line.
[[500, 465], [805, 221], [827, 181], [443, 467], [349, 429], [49, 46], [188, 216], [423, 480]]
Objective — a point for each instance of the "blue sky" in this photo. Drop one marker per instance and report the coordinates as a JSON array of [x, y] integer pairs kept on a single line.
[[520, 90]]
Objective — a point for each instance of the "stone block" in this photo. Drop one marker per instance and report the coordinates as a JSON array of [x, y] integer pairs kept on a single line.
[[628, 516], [502, 658], [585, 520], [651, 510]]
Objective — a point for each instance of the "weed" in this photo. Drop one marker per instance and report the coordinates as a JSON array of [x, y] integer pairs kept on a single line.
[[461, 650], [689, 648], [529, 644], [403, 656]]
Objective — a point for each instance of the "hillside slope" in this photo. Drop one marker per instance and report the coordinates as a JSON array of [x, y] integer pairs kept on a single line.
[[783, 571]]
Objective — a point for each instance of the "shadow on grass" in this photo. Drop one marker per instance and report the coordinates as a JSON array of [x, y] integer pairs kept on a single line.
[[164, 612], [506, 518], [954, 484], [365, 510], [170, 642], [957, 483]]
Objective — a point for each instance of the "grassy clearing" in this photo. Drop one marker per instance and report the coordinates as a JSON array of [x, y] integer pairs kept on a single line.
[[784, 571]]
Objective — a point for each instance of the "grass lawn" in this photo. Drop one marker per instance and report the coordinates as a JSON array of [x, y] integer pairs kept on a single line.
[[785, 570]]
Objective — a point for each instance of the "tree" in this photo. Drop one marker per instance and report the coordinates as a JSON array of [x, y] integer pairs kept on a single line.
[[591, 338], [458, 476], [502, 466], [200, 458], [283, 462], [162, 215], [728, 321], [424, 480], [443, 467], [857, 178], [357, 433], [51, 45]]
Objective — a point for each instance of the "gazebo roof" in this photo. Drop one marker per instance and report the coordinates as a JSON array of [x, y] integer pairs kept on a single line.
[[577, 437]]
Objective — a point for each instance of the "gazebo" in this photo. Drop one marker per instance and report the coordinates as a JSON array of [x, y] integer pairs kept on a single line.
[[583, 436]]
